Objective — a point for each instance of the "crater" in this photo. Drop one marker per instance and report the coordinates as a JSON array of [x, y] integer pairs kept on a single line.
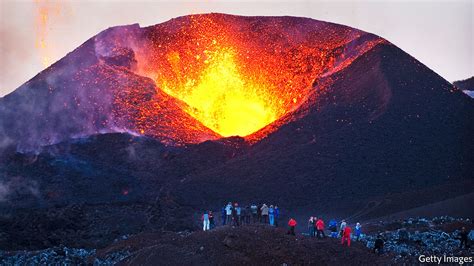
[[238, 74], [235, 74]]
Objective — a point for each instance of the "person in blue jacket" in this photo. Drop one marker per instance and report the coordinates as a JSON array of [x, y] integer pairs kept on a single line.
[[333, 228], [271, 215], [277, 215], [358, 230]]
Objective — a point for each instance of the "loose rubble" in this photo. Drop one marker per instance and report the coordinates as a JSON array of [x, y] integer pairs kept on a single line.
[[50, 256], [421, 236], [60, 256]]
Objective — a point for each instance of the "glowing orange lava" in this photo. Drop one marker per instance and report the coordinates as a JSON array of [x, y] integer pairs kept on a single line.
[[222, 98], [45, 11], [234, 79], [230, 75]]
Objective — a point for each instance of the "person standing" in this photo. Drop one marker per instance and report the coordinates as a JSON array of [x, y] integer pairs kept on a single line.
[[212, 225], [254, 210], [315, 229], [259, 213], [239, 214], [320, 228], [277, 215], [346, 235], [264, 210], [357, 231], [271, 215], [205, 221], [333, 228], [463, 237], [311, 226], [291, 224], [223, 215], [249, 215], [378, 245], [343, 226], [246, 214], [228, 211], [236, 214]]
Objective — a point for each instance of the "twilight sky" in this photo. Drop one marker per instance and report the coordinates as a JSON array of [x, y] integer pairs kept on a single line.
[[36, 33]]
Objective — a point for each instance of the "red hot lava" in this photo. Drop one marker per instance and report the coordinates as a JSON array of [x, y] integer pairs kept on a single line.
[[221, 75]]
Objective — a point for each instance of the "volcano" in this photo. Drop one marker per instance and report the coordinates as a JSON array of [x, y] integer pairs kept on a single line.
[[162, 121]]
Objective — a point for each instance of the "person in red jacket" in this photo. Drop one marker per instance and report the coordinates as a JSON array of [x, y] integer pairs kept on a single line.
[[292, 224], [346, 235], [320, 228]]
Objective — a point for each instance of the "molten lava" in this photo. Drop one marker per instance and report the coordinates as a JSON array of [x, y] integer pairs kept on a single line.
[[222, 98], [230, 75], [236, 74]]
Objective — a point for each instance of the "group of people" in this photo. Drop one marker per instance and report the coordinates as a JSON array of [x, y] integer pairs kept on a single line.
[[316, 227], [235, 215], [208, 222]]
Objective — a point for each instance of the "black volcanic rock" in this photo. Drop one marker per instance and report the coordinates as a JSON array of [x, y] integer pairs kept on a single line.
[[387, 124], [89, 191]]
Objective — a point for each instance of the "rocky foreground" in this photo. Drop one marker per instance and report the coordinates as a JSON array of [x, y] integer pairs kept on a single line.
[[263, 245], [408, 239]]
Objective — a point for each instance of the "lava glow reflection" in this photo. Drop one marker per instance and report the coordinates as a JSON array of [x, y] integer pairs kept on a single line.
[[221, 97]]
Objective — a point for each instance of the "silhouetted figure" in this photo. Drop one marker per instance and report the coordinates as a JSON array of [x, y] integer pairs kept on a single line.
[[333, 228], [264, 210], [259, 213], [236, 215], [464, 239], [254, 211], [378, 245], [315, 228], [246, 214], [211, 220], [223, 215], [311, 226], [238, 210]]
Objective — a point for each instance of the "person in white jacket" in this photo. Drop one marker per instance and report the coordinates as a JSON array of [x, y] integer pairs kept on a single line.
[[343, 226], [264, 210], [228, 212]]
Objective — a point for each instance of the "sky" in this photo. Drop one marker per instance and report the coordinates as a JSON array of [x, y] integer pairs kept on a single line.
[[36, 33]]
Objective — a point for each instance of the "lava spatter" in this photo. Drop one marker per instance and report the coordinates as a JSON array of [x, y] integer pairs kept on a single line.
[[237, 75]]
